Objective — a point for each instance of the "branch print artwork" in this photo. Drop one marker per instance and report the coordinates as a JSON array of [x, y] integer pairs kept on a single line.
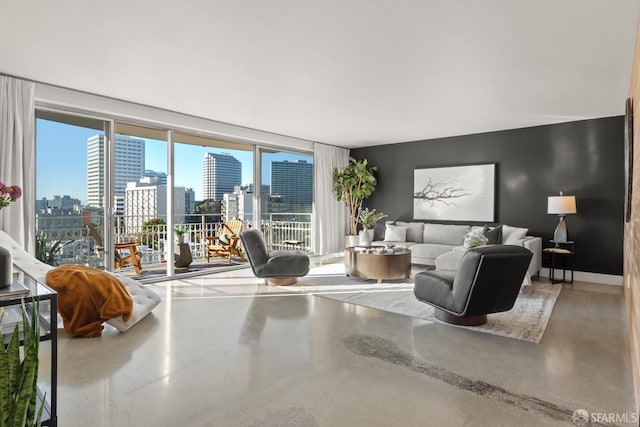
[[458, 193]]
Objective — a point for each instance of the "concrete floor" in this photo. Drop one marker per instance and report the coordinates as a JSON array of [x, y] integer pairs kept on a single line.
[[228, 351]]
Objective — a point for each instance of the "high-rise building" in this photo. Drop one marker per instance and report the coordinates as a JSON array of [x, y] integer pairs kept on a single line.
[[154, 177], [189, 200], [129, 166], [220, 174], [144, 202], [292, 183]]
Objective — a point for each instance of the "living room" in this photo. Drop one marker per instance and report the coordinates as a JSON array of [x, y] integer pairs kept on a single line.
[[224, 349]]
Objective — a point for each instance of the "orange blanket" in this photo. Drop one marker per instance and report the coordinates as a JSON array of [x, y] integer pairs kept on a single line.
[[87, 297]]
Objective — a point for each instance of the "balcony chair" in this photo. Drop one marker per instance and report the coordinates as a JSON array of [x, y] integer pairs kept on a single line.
[[487, 280], [278, 268], [227, 243], [120, 259]]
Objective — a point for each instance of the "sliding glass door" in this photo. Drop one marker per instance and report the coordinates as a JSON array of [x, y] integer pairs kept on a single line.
[[151, 202], [70, 210], [213, 185], [286, 199]]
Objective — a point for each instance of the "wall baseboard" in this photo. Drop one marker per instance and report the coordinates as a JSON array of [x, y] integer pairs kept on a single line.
[[585, 276]]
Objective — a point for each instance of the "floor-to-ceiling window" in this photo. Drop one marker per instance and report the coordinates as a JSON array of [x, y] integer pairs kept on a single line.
[[140, 194], [216, 179], [286, 199], [69, 189], [105, 180]]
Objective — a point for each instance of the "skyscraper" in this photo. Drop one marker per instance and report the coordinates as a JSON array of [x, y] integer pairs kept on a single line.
[[129, 166], [220, 174], [292, 182]]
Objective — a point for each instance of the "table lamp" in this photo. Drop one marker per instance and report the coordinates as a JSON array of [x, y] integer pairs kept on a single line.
[[561, 205]]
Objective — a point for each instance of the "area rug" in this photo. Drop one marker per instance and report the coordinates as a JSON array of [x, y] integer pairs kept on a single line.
[[526, 321]]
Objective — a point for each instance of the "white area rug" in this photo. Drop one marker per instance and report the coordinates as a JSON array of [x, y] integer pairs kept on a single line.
[[526, 321]]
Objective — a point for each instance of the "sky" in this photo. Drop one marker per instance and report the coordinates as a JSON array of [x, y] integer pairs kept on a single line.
[[61, 161]]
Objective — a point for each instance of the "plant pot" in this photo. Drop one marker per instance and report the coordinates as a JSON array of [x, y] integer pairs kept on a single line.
[[351, 241], [365, 237], [180, 238]]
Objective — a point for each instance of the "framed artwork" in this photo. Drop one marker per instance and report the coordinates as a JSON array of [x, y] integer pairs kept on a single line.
[[456, 193], [628, 158]]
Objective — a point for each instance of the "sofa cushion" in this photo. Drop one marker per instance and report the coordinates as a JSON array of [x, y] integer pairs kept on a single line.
[[493, 234], [511, 234], [395, 233], [429, 250], [415, 230], [445, 234]]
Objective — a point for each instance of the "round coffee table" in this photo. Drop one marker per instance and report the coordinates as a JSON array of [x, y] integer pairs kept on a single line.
[[377, 264]]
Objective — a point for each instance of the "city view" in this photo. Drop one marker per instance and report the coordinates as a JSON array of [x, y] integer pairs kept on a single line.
[[212, 185]]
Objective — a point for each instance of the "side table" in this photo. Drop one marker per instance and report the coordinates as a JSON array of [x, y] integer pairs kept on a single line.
[[564, 252]]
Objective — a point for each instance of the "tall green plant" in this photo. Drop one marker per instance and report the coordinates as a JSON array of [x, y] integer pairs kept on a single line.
[[352, 185], [46, 250], [19, 377]]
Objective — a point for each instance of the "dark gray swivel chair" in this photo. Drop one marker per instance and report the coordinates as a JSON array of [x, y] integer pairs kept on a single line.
[[487, 281], [279, 268]]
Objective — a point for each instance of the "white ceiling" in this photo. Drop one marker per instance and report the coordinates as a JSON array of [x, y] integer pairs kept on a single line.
[[344, 72]]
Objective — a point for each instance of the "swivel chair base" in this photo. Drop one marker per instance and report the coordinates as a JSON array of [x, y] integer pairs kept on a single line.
[[282, 281], [460, 320]]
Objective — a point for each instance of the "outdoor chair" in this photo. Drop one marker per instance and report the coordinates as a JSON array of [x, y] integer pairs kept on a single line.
[[227, 243], [130, 255]]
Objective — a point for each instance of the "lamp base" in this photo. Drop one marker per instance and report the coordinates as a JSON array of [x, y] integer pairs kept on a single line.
[[561, 234]]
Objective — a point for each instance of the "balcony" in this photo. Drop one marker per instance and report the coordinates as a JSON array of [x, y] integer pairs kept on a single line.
[[78, 246]]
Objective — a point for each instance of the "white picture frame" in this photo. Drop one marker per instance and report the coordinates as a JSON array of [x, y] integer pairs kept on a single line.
[[455, 193]]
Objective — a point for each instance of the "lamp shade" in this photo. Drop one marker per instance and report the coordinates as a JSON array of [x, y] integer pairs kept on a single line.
[[561, 205]]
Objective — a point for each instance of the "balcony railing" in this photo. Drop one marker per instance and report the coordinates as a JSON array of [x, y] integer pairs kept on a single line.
[[80, 247]]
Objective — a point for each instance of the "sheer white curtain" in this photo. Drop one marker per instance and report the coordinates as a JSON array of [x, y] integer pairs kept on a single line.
[[17, 158], [330, 216]]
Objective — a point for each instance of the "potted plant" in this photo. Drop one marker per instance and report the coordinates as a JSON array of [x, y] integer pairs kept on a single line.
[[368, 219], [354, 183], [180, 231], [19, 374]]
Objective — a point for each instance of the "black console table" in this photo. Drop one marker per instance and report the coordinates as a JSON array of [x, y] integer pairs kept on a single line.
[[47, 298]]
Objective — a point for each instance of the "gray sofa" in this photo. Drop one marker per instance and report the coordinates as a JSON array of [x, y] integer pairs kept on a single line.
[[427, 241]]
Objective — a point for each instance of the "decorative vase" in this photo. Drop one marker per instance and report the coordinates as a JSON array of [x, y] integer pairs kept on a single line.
[[364, 238], [6, 268]]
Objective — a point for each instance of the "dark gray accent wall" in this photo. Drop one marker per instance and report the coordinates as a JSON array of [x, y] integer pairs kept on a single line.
[[584, 158]]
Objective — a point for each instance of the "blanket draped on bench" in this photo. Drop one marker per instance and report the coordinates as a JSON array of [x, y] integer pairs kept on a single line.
[[87, 297]]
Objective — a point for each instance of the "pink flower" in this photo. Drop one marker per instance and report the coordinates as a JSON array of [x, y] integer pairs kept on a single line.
[[9, 194], [15, 192]]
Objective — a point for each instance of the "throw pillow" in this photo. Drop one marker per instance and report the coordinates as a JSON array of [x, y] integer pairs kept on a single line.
[[415, 230], [475, 238], [512, 234], [224, 239], [395, 233], [494, 235]]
